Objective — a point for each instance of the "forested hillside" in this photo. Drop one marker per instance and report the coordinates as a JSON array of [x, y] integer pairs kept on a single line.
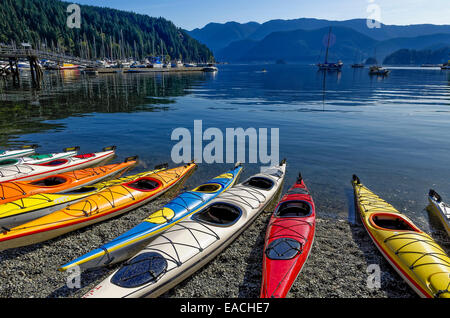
[[104, 32]]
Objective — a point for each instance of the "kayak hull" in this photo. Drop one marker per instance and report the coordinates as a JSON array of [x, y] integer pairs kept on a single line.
[[106, 203], [132, 241], [192, 243], [288, 242], [440, 210], [414, 255]]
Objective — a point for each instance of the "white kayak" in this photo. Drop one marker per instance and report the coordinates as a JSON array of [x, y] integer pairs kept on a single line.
[[38, 159], [25, 151], [440, 209], [24, 172], [187, 246]]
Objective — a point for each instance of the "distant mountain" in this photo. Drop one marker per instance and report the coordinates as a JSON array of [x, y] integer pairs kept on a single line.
[[415, 57], [300, 45], [218, 36], [309, 46]]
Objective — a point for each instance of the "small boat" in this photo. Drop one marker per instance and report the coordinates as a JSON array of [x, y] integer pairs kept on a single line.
[[190, 244], [440, 209], [103, 205], [210, 69], [22, 202], [414, 255], [327, 66], [129, 243], [25, 172], [68, 66], [288, 242], [378, 70], [358, 65], [25, 151], [38, 159]]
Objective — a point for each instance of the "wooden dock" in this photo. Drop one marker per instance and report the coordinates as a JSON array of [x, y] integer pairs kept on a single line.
[[146, 70]]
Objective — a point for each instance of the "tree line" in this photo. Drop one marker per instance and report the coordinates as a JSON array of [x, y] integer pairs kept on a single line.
[[103, 32]]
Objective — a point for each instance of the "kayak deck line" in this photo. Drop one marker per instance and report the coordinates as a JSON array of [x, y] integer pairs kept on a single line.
[[88, 211], [138, 235]]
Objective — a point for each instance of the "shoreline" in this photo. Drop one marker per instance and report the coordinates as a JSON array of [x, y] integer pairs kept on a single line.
[[336, 268]]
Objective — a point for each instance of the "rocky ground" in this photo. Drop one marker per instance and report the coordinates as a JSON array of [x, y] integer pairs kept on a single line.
[[337, 266]]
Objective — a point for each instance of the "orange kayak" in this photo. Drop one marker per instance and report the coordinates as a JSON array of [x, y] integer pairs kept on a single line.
[[63, 182], [103, 205]]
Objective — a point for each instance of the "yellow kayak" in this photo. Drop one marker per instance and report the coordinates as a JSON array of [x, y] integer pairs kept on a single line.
[[105, 204], [416, 257]]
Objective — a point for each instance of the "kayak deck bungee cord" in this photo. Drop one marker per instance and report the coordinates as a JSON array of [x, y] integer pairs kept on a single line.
[[440, 209], [129, 243], [25, 172], [190, 244], [38, 159], [416, 257], [63, 182], [105, 204], [34, 202], [288, 242], [25, 151]]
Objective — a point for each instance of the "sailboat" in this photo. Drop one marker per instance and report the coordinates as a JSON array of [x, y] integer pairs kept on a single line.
[[328, 66], [356, 64], [378, 70]]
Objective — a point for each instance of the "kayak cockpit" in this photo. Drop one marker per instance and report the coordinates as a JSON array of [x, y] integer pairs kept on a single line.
[[208, 188], [144, 184], [53, 163], [283, 249], [220, 214], [8, 162], [391, 222], [50, 181], [259, 183], [146, 268], [291, 209]]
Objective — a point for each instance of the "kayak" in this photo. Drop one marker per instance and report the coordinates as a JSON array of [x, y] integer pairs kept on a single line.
[[416, 257], [288, 242], [24, 172], [190, 244], [25, 201], [440, 209], [25, 151], [105, 204], [126, 245], [62, 182], [38, 159]]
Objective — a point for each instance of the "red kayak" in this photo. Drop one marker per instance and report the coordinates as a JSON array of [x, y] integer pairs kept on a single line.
[[289, 238]]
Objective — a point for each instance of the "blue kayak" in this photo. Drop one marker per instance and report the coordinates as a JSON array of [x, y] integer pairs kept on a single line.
[[128, 244]]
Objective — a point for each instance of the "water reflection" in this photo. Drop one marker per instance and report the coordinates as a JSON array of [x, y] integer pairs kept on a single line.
[[24, 109]]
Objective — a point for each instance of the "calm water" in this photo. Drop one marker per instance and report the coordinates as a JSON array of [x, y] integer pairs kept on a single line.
[[393, 132]]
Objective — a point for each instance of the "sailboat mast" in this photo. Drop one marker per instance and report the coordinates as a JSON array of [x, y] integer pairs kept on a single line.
[[328, 46]]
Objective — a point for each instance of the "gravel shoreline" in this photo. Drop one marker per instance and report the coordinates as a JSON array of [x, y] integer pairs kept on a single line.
[[336, 268]]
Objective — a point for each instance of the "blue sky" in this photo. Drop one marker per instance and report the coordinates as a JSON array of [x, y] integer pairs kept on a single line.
[[190, 14]]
